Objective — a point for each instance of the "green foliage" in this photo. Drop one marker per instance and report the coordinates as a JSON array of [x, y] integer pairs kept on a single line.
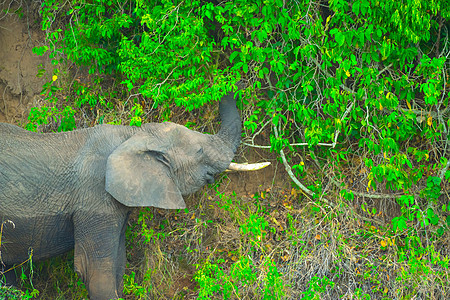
[[41, 116], [316, 287], [229, 281], [213, 282], [255, 228], [140, 43], [274, 288], [7, 292], [137, 113], [13, 294], [130, 287], [353, 95]]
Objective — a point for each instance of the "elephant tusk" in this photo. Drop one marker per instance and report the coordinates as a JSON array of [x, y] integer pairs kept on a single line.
[[247, 167]]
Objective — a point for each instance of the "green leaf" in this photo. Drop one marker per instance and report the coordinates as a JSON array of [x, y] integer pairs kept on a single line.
[[234, 55], [262, 35], [447, 174], [399, 223], [340, 39], [261, 75], [245, 68], [355, 7]]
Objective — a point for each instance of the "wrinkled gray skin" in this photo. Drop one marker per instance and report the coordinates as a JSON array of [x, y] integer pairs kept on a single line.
[[76, 189]]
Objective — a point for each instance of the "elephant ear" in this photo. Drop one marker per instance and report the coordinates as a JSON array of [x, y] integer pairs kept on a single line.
[[136, 177]]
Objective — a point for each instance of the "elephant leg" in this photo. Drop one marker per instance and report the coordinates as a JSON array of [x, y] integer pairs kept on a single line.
[[121, 257], [99, 255]]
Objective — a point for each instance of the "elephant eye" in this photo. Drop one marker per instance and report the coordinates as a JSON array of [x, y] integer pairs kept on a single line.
[[162, 158], [200, 151]]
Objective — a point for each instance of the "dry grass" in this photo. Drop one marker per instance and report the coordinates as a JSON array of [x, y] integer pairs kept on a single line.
[[305, 240], [267, 240], [327, 249]]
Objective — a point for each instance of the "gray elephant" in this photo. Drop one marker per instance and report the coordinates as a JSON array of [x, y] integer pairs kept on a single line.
[[76, 189]]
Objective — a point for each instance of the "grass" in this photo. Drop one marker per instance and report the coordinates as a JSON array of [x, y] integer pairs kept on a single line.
[[280, 245], [273, 244], [267, 240]]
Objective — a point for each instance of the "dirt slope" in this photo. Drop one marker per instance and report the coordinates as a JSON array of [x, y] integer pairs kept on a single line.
[[19, 85]]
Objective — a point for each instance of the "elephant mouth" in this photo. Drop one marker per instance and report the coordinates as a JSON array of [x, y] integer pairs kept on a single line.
[[209, 178]]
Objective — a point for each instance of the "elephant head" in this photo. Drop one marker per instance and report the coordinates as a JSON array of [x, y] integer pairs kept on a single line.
[[52, 186], [162, 162]]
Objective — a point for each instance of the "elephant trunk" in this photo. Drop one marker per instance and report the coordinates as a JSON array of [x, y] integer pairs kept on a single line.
[[230, 130]]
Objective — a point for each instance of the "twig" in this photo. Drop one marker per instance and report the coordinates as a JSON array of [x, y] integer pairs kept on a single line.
[[256, 146], [441, 22], [311, 193], [304, 188], [292, 176], [385, 68], [444, 170], [293, 145], [364, 195], [164, 81], [342, 118]]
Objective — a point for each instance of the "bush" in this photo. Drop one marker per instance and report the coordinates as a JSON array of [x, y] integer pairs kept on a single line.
[[351, 96]]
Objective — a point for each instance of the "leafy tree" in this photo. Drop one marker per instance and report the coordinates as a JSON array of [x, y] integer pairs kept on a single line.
[[355, 90]]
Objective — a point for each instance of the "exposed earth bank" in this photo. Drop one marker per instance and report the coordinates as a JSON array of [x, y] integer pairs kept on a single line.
[[19, 66]]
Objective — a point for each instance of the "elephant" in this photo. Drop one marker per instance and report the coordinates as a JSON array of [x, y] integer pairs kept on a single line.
[[75, 190]]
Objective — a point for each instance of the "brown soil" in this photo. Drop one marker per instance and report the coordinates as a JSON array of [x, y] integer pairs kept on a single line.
[[19, 85], [249, 183]]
